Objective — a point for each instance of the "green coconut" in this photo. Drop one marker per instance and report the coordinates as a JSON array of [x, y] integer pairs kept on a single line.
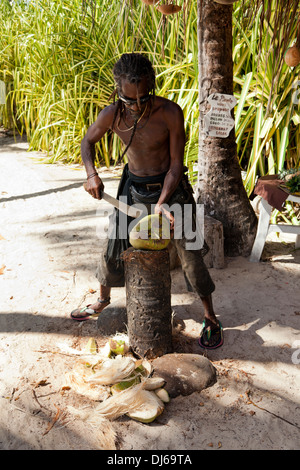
[[118, 346], [91, 346], [151, 233], [143, 367], [120, 386]]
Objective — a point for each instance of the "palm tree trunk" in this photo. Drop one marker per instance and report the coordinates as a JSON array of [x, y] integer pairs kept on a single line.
[[220, 186]]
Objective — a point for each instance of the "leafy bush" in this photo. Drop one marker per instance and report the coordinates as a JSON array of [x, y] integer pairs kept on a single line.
[[56, 62]]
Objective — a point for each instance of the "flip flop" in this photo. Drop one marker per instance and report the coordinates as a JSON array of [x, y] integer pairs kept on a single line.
[[207, 332], [88, 312]]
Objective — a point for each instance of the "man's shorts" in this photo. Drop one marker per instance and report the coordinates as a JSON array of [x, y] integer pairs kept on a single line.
[[195, 271]]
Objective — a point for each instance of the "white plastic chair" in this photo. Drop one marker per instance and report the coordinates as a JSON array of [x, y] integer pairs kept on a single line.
[[264, 228]]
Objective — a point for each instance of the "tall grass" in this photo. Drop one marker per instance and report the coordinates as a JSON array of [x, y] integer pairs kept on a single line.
[[57, 66], [267, 115], [57, 62]]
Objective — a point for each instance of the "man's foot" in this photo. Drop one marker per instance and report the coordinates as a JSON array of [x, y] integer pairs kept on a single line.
[[90, 310], [211, 336]]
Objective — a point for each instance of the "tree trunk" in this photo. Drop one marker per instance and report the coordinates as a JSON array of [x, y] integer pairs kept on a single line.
[[220, 187], [148, 302]]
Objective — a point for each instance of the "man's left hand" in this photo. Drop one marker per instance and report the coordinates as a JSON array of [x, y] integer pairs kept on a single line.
[[159, 209]]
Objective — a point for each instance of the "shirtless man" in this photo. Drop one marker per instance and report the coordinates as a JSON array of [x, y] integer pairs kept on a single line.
[[152, 130]]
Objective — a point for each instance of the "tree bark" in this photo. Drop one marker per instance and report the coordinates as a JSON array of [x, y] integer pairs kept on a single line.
[[148, 302], [220, 187]]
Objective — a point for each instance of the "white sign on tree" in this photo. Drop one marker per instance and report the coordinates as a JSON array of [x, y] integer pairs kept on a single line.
[[218, 121]]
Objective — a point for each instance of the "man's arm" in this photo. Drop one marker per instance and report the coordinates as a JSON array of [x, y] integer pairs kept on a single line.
[[95, 133], [175, 121]]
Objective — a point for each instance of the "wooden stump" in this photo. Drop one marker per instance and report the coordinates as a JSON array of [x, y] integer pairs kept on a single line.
[[148, 302]]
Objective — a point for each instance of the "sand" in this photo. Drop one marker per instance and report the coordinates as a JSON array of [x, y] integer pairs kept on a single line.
[[49, 248]]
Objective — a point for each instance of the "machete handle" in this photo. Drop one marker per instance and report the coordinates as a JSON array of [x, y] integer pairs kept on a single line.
[[85, 187]]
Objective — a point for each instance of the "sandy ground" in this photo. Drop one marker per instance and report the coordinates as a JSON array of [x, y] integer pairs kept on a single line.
[[49, 251]]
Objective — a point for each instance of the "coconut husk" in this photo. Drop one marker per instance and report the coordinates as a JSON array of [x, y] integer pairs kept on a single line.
[[292, 56], [150, 2], [168, 9], [132, 400], [100, 429]]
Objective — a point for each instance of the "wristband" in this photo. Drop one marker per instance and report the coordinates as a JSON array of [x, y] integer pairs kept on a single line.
[[93, 174]]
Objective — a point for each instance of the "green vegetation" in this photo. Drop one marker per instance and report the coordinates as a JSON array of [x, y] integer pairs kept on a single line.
[[56, 62]]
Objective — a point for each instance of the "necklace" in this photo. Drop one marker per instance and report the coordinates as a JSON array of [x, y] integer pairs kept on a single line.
[[130, 128]]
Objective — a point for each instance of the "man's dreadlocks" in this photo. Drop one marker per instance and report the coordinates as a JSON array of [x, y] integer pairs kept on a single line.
[[132, 68]]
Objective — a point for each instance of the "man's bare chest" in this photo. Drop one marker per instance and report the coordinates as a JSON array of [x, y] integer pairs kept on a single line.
[[151, 134]]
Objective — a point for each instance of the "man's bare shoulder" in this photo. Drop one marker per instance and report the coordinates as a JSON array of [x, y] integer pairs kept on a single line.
[[169, 107], [102, 124], [171, 111], [107, 115]]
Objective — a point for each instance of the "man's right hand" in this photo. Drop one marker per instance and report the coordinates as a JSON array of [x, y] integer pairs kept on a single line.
[[94, 186]]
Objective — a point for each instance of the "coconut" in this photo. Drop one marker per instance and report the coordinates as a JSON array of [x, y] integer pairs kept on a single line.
[[163, 395], [135, 402], [150, 2], [105, 351], [153, 383], [168, 9], [91, 346], [292, 56], [151, 233], [151, 408], [120, 386], [225, 2], [111, 371], [119, 344], [143, 367]]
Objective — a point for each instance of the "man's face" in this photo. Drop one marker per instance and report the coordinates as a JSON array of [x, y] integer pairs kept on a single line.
[[129, 94]]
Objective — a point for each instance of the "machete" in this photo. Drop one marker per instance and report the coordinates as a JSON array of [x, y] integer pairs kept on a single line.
[[131, 211]]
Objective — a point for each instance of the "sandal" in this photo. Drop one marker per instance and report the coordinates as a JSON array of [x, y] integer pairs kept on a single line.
[[87, 312], [208, 332]]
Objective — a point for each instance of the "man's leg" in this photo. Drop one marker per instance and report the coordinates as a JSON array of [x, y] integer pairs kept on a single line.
[[211, 335], [93, 309], [209, 313], [200, 281], [103, 300]]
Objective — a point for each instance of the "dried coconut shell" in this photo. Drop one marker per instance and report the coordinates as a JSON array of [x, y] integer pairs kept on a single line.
[[225, 2], [168, 9], [150, 2], [292, 56]]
